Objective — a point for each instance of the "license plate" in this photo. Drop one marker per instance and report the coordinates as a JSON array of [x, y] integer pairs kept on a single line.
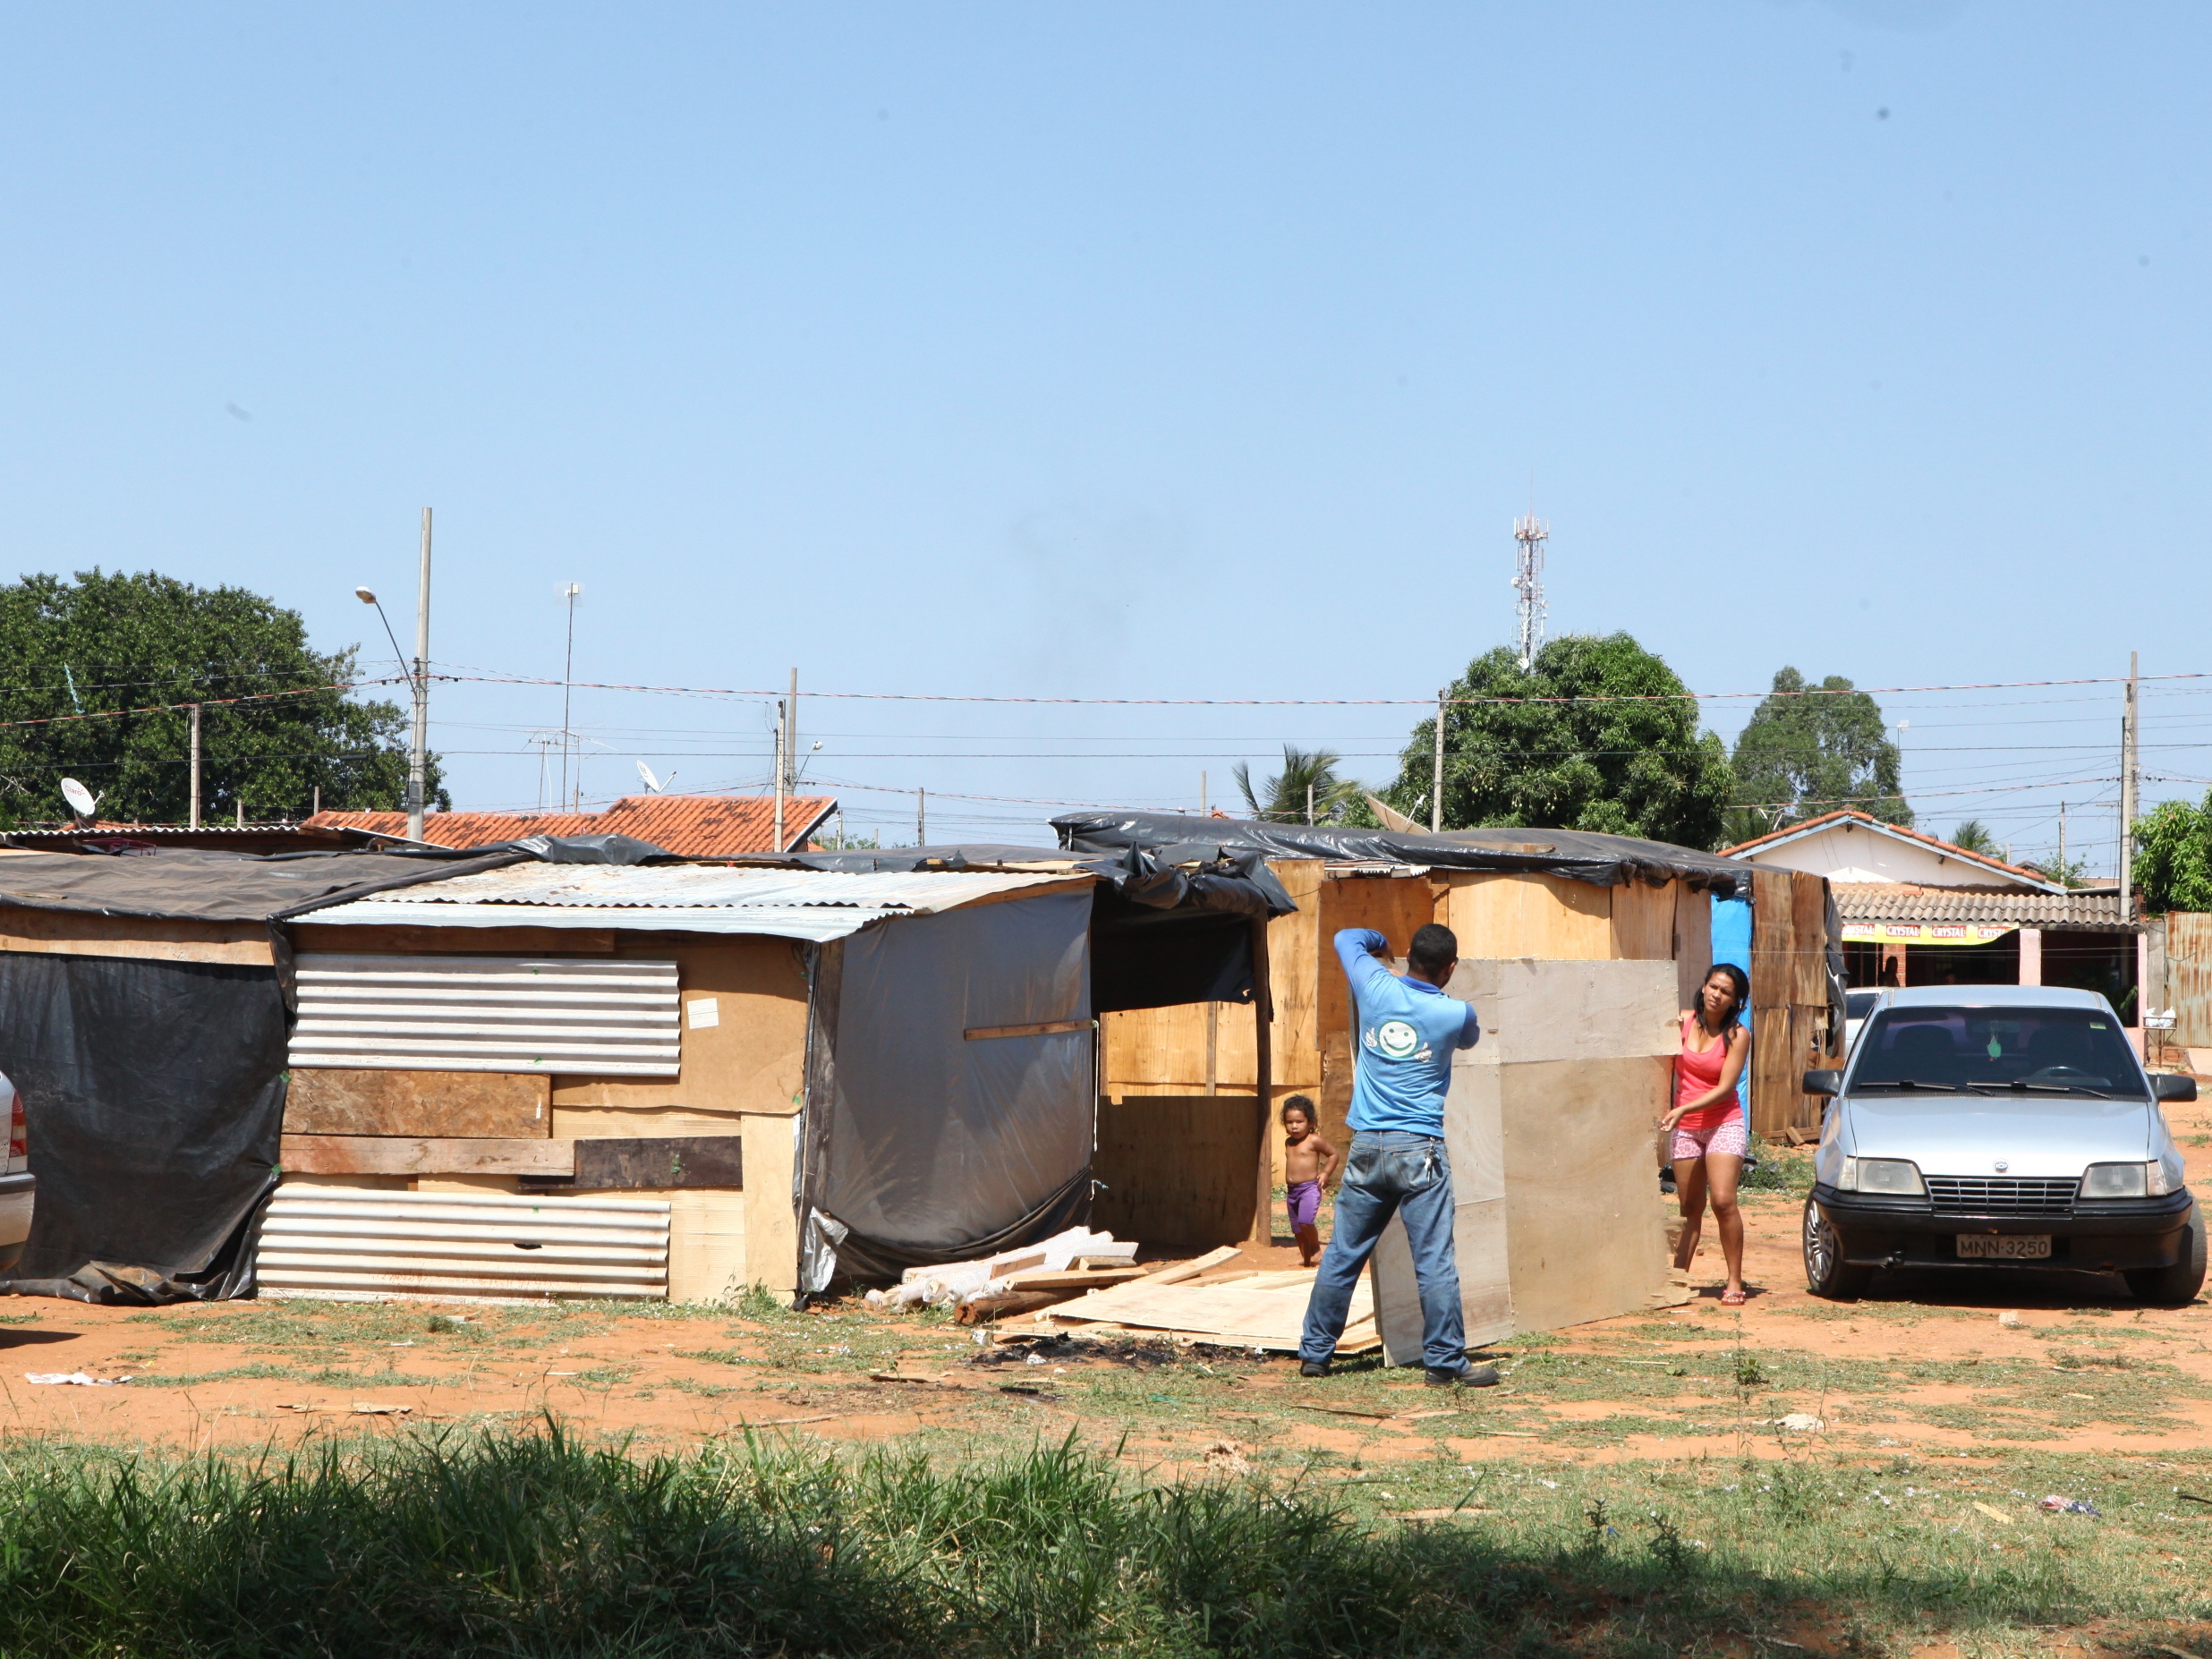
[[2006, 1247]]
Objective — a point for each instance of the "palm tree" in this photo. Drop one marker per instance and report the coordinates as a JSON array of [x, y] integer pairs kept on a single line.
[[1973, 836], [1308, 778]]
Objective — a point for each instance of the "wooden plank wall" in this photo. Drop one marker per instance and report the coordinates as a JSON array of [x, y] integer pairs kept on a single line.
[[1789, 1000], [743, 1062], [1395, 907], [2188, 977], [1177, 1168]]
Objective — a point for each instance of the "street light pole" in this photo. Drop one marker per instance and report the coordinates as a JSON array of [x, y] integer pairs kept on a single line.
[[418, 748]]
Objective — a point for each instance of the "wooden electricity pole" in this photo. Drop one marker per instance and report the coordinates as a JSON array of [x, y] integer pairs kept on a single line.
[[1436, 779], [194, 819]]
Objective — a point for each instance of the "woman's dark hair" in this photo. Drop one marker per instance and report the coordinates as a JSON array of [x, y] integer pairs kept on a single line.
[[1298, 1102], [1739, 988]]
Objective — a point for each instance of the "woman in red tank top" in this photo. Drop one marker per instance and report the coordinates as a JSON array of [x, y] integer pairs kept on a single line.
[[1710, 1137]]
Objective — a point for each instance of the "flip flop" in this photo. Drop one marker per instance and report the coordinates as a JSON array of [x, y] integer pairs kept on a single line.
[[1731, 1298]]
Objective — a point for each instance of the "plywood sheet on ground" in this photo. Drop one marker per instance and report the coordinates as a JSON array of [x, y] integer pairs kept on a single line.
[[1177, 1170], [436, 1103], [1261, 1310]]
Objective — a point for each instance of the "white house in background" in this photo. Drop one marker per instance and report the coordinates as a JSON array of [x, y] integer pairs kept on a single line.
[[1851, 847]]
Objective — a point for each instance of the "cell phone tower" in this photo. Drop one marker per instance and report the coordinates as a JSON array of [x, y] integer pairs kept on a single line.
[[1530, 533]]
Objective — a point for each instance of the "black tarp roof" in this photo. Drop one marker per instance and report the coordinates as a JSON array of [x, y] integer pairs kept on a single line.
[[1173, 840], [1224, 878], [223, 887]]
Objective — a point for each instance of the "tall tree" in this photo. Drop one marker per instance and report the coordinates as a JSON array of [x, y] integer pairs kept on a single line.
[[1599, 733], [1308, 777], [109, 643], [2173, 856], [1809, 750]]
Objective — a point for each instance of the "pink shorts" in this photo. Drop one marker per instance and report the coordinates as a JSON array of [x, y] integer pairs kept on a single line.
[[1728, 1137]]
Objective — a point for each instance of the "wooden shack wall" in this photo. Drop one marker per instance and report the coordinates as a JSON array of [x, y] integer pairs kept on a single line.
[[1791, 1018], [742, 1074]]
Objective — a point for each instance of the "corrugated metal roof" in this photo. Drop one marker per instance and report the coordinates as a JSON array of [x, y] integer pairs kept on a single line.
[[690, 826], [817, 904], [1889, 901]]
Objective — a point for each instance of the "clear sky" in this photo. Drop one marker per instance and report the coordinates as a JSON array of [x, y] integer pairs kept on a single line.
[[1151, 351]]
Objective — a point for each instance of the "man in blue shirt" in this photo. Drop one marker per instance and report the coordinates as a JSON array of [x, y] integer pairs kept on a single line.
[[1407, 1031]]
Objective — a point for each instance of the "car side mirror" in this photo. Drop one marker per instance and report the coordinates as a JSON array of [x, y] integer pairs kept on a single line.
[[1828, 1083], [2165, 1086]]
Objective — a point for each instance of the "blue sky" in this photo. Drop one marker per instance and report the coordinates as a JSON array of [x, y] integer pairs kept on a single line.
[[1137, 351]]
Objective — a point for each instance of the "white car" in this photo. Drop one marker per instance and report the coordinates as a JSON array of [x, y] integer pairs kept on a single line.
[[17, 1184], [1856, 1006], [1997, 1128]]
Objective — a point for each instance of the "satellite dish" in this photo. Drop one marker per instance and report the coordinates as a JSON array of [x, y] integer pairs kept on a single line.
[[82, 800], [657, 784]]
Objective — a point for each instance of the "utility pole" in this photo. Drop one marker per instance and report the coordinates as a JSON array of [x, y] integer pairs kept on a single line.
[[1202, 795], [195, 812], [783, 718], [2130, 718], [1436, 779], [418, 746], [921, 817], [569, 591], [791, 738], [1309, 803], [2063, 879]]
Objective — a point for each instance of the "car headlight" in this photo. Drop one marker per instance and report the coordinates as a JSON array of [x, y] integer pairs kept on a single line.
[[2127, 1180], [1896, 1178]]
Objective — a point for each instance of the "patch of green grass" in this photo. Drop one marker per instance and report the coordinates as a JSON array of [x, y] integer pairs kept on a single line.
[[537, 1545], [1783, 1169]]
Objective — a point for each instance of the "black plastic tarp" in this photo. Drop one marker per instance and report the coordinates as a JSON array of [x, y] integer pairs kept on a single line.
[[153, 1094], [1603, 860], [182, 885], [939, 1127]]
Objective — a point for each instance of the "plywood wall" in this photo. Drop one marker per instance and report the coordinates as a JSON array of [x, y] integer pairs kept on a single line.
[[1789, 999], [1393, 906], [1178, 1169], [1529, 916]]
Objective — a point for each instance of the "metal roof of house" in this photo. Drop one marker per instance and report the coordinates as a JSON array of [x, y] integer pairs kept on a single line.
[[2090, 909], [788, 904], [689, 826]]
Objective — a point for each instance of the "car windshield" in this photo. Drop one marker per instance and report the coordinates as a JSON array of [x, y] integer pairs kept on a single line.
[[2030, 1050], [1858, 1004]]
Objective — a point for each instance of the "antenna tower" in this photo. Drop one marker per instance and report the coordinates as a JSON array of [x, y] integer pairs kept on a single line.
[[1530, 533]]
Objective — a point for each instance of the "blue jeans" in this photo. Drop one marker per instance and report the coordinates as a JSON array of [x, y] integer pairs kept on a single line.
[[1388, 1174]]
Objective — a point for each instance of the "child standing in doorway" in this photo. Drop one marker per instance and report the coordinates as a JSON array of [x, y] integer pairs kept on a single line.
[[1308, 1163]]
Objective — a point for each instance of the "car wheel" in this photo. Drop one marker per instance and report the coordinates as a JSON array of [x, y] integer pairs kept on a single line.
[[1826, 1272], [2175, 1286]]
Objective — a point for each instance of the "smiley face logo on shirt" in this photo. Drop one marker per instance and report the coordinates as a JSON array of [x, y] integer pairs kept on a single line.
[[1396, 1039]]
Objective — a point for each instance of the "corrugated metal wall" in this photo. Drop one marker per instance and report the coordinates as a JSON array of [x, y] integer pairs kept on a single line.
[[350, 1244], [2188, 977], [428, 1013]]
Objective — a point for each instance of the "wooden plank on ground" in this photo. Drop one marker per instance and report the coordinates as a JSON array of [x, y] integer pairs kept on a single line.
[[1196, 1266], [1091, 1278], [396, 1154], [429, 1104]]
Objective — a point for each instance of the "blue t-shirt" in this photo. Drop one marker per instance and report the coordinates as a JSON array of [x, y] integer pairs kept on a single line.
[[1407, 1031]]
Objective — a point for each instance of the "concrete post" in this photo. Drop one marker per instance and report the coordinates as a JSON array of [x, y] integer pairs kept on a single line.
[[2031, 955]]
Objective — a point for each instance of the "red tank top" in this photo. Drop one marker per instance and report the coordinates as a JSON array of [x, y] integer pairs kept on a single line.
[[1697, 1073]]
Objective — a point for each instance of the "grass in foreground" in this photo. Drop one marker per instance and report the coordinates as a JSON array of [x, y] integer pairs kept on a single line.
[[539, 1545]]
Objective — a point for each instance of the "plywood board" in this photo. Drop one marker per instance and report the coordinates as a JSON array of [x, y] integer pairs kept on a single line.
[[1486, 1294], [397, 1155], [1643, 920], [2189, 978], [1177, 1168], [1294, 948], [1265, 1310], [75, 934], [1777, 1069], [576, 1123], [751, 1059], [1529, 916], [1584, 1239], [708, 1259], [662, 1162], [432, 1103], [1537, 1011], [771, 1252], [1693, 943]]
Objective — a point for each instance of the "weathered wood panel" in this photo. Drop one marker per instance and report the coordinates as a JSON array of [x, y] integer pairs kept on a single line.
[[1808, 939], [1177, 1168], [400, 1154], [62, 932], [423, 1103], [1773, 934], [1548, 917], [2188, 977], [669, 1161], [1643, 921], [1693, 943]]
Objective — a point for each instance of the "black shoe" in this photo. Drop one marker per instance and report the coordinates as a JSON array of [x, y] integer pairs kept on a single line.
[[1313, 1367], [1465, 1376]]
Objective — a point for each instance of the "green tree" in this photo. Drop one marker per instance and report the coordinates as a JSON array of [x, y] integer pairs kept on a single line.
[[1974, 837], [1802, 755], [1306, 775], [108, 643], [1598, 733], [2173, 856]]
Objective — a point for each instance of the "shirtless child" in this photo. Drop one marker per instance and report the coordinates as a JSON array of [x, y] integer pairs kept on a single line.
[[1308, 1163]]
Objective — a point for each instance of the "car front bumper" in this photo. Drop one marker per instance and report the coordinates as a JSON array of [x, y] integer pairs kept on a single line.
[[2115, 1236]]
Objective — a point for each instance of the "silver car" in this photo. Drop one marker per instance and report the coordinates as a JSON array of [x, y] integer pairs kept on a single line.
[[2000, 1127]]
